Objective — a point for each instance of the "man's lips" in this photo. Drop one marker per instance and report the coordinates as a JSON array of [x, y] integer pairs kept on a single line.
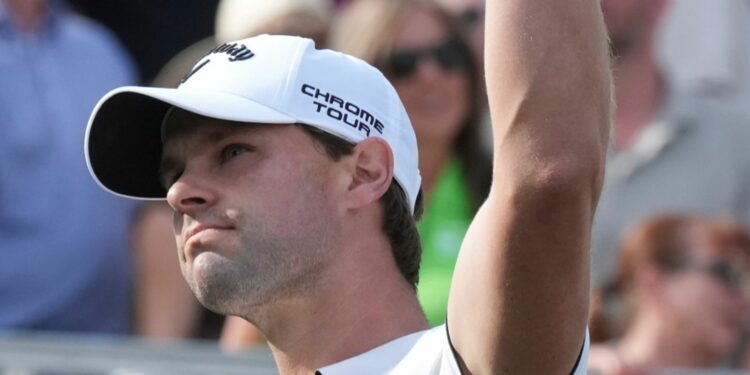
[[201, 228]]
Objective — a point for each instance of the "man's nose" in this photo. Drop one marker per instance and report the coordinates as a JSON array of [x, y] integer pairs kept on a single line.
[[190, 194]]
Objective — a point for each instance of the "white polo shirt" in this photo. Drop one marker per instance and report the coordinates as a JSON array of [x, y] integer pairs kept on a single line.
[[424, 352]]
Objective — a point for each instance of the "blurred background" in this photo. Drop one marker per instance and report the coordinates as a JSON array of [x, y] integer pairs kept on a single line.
[[89, 283]]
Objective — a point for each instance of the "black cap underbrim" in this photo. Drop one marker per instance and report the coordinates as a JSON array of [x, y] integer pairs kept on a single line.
[[124, 145], [123, 140]]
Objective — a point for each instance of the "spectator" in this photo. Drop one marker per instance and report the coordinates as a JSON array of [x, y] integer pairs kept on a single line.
[[153, 31], [705, 49], [682, 283], [237, 19], [470, 14], [670, 154], [419, 47], [66, 265]]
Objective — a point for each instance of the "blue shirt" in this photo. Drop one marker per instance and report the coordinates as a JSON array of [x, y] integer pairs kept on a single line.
[[64, 260]]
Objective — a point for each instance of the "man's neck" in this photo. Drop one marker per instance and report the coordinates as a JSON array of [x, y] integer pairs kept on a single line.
[[639, 93], [341, 320]]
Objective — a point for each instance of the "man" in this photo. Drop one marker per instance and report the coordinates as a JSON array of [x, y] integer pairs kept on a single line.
[[672, 153], [160, 294], [292, 173]]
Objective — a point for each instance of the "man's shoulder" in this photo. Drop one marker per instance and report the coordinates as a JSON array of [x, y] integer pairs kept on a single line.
[[427, 352], [432, 353]]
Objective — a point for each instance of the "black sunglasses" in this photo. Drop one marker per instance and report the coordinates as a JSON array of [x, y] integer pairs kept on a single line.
[[727, 272], [450, 55], [471, 17]]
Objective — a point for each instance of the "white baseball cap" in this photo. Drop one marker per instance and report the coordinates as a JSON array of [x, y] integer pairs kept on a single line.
[[266, 79]]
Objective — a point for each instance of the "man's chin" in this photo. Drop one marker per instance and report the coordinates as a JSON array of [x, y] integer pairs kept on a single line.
[[213, 300], [214, 292], [219, 294]]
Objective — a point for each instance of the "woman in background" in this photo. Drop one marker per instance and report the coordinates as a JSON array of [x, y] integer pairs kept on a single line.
[[421, 50], [681, 298]]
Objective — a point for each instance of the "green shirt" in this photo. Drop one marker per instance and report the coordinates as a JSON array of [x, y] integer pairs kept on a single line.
[[442, 228]]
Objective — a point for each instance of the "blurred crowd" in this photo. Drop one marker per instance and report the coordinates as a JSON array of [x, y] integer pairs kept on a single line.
[[670, 245]]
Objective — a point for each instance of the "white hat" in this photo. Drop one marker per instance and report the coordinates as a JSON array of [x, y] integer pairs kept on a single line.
[[265, 79]]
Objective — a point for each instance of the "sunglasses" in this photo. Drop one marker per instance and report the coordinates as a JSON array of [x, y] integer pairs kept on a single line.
[[471, 17], [728, 273], [450, 55]]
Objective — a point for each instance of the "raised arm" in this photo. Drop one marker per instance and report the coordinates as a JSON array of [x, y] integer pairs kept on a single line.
[[519, 298]]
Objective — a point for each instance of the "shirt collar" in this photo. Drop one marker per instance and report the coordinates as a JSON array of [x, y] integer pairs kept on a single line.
[[376, 361]]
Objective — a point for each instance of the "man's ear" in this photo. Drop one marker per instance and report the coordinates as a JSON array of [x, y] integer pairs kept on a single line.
[[371, 172]]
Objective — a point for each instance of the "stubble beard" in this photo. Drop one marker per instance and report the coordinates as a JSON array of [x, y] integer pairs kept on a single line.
[[267, 266]]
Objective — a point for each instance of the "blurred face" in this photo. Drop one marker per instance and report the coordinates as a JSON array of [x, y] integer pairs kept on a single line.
[[428, 71], [707, 306], [26, 13], [251, 218], [471, 15]]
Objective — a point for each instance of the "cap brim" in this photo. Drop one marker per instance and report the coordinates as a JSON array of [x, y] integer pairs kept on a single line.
[[123, 138]]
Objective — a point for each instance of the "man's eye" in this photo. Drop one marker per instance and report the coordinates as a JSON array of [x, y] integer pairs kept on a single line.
[[231, 151]]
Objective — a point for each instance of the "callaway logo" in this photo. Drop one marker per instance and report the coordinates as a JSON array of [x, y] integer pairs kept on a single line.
[[342, 110], [236, 53]]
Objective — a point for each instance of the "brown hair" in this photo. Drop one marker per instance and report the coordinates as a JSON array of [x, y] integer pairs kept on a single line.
[[668, 243], [399, 224], [366, 29]]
